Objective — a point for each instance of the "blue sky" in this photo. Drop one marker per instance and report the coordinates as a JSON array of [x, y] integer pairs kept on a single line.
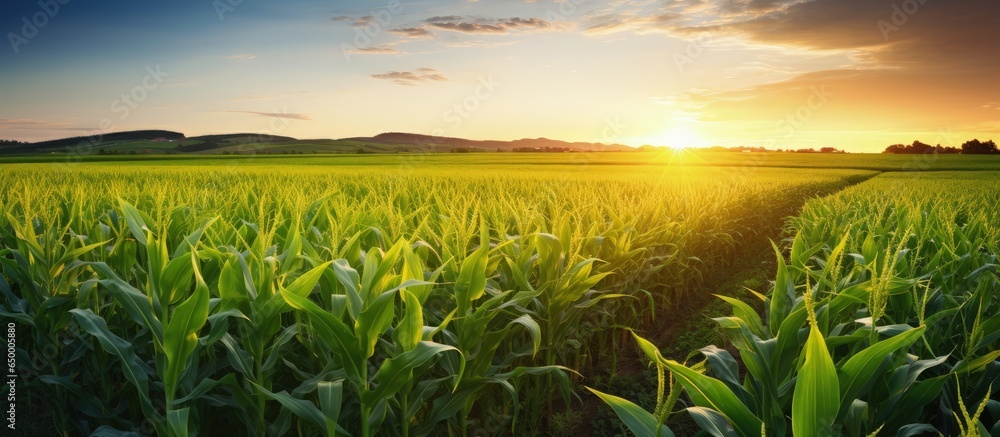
[[684, 72]]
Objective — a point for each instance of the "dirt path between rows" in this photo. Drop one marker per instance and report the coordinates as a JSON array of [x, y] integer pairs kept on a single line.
[[690, 327]]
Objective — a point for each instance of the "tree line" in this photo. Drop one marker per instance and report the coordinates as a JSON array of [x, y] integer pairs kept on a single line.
[[11, 143], [764, 149], [972, 147]]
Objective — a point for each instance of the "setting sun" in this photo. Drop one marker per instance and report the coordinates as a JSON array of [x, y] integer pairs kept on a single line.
[[679, 137]]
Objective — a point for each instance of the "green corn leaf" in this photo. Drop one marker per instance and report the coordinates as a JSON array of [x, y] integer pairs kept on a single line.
[[816, 400], [206, 386], [178, 422], [396, 371], [374, 321], [711, 393], [232, 289], [301, 408], [533, 329], [180, 337], [639, 421], [783, 296], [917, 429], [860, 371], [972, 365], [747, 314], [303, 285], [191, 241], [334, 333], [712, 422], [411, 328], [134, 369], [72, 255], [351, 281], [331, 398], [176, 279], [135, 222], [471, 282], [726, 369], [135, 303]]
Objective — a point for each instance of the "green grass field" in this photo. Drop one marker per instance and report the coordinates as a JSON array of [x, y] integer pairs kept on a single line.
[[484, 294]]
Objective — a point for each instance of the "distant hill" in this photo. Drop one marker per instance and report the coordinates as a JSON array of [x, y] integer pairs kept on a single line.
[[168, 142], [97, 140], [432, 143], [244, 137]]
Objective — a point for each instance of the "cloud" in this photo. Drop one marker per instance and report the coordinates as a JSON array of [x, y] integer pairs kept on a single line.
[[341, 18], [363, 21], [287, 115], [413, 32], [930, 67], [466, 43], [240, 57], [22, 122], [32, 124], [612, 23], [411, 78], [376, 50], [954, 32], [474, 25], [265, 96]]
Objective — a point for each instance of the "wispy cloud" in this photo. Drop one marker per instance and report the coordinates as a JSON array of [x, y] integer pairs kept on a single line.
[[611, 23], [264, 96], [240, 57], [32, 124], [363, 21], [467, 24], [376, 50], [411, 78], [287, 115], [413, 32]]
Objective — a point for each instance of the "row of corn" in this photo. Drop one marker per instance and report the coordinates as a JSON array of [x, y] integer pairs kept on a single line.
[[884, 319]]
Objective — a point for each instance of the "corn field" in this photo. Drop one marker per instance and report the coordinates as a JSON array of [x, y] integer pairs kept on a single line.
[[341, 301], [884, 319]]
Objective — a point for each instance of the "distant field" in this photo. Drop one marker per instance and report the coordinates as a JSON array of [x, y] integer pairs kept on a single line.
[[877, 162]]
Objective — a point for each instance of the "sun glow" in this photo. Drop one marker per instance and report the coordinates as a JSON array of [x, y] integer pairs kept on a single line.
[[679, 138]]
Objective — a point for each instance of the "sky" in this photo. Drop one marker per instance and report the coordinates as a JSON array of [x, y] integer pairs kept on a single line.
[[854, 74]]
